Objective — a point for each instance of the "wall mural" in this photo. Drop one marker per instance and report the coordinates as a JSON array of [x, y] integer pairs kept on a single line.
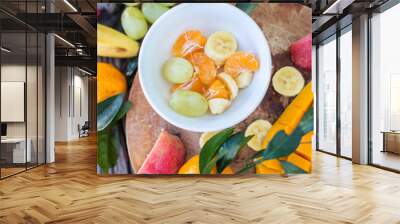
[[204, 88]]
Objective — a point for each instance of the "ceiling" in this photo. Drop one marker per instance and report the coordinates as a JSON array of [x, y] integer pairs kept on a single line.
[[58, 5], [332, 15], [74, 22], [15, 42]]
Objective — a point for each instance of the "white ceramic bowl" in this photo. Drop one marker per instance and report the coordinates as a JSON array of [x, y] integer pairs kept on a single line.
[[208, 18]]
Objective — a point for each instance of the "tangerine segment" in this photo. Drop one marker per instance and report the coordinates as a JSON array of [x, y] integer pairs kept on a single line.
[[204, 67], [218, 90], [188, 42], [194, 85], [241, 62]]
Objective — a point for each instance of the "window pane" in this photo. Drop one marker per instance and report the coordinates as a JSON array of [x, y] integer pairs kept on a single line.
[[31, 99], [385, 114], [15, 150], [327, 96], [346, 94]]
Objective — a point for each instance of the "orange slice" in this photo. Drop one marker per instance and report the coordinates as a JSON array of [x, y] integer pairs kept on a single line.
[[194, 85], [110, 81], [188, 42], [204, 67], [218, 90], [241, 62], [192, 167]]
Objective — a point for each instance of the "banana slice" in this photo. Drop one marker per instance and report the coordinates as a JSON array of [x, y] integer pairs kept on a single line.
[[288, 81], [230, 83], [259, 129], [220, 45], [218, 105], [244, 79], [114, 44], [205, 137]]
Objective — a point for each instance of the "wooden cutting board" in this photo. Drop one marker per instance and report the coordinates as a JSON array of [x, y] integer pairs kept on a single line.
[[282, 25]]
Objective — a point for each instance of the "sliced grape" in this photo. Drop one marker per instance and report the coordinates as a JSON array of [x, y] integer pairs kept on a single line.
[[153, 10], [134, 23], [188, 103], [177, 70]]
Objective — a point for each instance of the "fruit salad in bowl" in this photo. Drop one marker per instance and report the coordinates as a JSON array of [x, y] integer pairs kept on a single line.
[[206, 74], [204, 67]]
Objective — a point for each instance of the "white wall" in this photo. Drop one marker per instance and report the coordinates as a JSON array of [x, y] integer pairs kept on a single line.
[[50, 95], [80, 100], [12, 73], [61, 103], [71, 94], [16, 73], [33, 126], [13, 101]]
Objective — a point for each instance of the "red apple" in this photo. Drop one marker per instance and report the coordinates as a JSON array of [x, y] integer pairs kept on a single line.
[[166, 156], [301, 53]]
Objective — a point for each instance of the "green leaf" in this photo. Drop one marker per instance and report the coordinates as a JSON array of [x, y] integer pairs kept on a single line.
[[230, 149], [107, 110], [124, 109], [307, 122], [115, 144], [282, 144], [290, 168], [131, 67], [102, 145], [258, 154], [210, 165], [122, 112], [108, 143], [247, 7], [211, 147], [250, 165]]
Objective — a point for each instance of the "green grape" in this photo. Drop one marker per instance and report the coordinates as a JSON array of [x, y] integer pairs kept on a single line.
[[177, 70], [188, 103], [132, 4], [153, 10], [168, 4], [134, 23]]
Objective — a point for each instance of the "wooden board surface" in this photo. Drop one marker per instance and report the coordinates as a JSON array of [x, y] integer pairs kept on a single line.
[[282, 24]]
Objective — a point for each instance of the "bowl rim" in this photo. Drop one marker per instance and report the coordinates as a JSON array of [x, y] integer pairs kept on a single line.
[[236, 119]]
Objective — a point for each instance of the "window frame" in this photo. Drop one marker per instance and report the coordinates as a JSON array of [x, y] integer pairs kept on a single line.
[[29, 29], [336, 36]]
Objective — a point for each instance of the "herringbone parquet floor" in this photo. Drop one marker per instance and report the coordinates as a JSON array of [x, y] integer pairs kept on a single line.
[[69, 191]]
